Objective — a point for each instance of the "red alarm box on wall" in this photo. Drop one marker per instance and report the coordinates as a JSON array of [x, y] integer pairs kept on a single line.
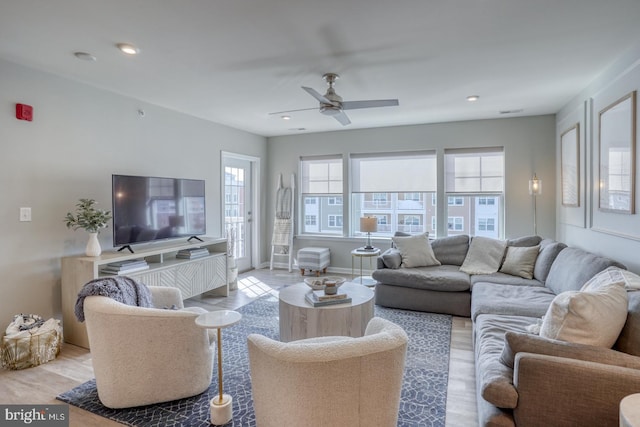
[[24, 112]]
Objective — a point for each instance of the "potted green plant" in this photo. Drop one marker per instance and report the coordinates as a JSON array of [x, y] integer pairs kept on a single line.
[[91, 220]]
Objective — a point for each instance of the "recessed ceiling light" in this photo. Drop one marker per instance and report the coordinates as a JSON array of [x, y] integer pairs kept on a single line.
[[85, 56], [127, 48], [472, 98], [285, 117]]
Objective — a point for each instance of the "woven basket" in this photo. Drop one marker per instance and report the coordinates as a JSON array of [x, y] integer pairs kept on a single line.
[[34, 350]]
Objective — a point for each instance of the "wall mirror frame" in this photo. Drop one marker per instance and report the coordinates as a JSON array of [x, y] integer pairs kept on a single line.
[[617, 138]]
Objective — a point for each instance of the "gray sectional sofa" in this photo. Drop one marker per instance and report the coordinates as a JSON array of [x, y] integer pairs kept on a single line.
[[523, 379]]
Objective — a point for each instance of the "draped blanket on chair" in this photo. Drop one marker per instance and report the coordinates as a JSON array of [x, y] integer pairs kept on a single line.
[[120, 288]]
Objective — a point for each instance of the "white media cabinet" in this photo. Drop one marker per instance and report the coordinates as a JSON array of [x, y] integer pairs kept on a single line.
[[192, 276]]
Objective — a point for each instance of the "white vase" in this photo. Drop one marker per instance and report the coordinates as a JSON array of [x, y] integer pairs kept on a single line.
[[93, 245]]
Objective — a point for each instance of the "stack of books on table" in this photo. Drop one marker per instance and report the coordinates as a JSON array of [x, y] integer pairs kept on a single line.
[[192, 253], [125, 267], [319, 299]]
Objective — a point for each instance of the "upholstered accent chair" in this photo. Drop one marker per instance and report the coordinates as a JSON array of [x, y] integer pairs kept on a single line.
[[147, 355], [329, 381]]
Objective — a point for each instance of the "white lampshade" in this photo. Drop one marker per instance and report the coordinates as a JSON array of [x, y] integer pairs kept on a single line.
[[535, 186], [368, 224]]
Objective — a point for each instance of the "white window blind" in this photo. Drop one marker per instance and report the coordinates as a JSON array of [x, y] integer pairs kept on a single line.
[[474, 170], [321, 175], [393, 172]]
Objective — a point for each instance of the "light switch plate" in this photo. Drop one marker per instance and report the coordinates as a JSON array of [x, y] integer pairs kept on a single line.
[[25, 214]]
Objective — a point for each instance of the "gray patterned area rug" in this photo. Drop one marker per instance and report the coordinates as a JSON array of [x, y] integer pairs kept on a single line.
[[424, 390]]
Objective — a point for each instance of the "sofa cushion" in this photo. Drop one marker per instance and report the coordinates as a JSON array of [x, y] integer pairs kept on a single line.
[[524, 241], [520, 261], [438, 278], [451, 250], [391, 258], [515, 343], [629, 339], [484, 255], [573, 267], [594, 316], [491, 298], [495, 379], [415, 250], [549, 250], [504, 279]]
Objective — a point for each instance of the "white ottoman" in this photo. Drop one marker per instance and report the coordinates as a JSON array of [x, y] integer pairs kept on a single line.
[[313, 259]]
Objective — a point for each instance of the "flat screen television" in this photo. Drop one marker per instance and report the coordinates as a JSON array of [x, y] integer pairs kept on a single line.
[[146, 209]]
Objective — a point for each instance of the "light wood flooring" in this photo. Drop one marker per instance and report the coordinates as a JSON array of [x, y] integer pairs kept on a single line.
[[40, 385]]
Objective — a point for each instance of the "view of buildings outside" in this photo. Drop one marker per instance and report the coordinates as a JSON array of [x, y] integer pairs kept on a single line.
[[407, 212]]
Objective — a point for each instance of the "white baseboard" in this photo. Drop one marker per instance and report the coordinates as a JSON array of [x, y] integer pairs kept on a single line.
[[339, 270]]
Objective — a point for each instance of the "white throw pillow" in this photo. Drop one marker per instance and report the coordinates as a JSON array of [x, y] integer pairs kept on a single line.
[[520, 261], [631, 280], [484, 255], [595, 315], [416, 251]]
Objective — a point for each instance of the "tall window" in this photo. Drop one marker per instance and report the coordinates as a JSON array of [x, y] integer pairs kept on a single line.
[[321, 189], [476, 178], [394, 186]]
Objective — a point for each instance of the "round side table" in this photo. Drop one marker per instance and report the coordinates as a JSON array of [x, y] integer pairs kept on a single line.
[[361, 253], [221, 406]]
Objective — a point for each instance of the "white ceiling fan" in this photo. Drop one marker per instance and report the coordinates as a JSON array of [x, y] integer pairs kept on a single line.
[[331, 104]]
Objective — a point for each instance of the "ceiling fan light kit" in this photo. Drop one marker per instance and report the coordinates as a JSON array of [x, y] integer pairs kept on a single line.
[[128, 48], [331, 104]]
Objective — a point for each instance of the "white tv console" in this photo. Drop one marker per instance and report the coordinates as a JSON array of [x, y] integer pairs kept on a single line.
[[192, 276]]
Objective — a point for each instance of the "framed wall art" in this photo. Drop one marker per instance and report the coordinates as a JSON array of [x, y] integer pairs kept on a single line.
[[570, 166], [617, 125]]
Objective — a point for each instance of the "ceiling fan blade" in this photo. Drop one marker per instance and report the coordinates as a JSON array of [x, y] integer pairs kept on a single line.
[[352, 105], [342, 118], [317, 95], [293, 111]]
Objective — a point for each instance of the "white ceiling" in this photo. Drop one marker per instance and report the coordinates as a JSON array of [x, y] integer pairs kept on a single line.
[[235, 61]]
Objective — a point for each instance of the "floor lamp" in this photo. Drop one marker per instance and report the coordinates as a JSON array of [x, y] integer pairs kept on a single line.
[[369, 225], [535, 189]]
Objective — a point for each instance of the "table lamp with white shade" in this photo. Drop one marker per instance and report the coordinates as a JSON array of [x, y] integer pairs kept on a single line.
[[368, 224]]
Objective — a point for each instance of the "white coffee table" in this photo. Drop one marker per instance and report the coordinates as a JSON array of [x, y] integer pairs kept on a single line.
[[221, 406], [298, 319]]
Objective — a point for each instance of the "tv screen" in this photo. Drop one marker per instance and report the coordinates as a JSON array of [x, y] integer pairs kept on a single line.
[[151, 208]]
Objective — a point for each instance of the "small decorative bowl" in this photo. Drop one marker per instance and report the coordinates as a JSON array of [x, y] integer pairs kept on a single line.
[[318, 283]]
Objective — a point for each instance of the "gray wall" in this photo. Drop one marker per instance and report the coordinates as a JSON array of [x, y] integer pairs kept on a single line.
[[529, 147], [611, 234], [80, 135]]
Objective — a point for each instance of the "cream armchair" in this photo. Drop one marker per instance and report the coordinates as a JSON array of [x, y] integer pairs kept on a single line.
[[329, 381], [147, 355]]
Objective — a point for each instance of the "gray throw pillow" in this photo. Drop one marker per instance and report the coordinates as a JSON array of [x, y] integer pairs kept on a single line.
[[520, 261], [484, 256], [416, 251]]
